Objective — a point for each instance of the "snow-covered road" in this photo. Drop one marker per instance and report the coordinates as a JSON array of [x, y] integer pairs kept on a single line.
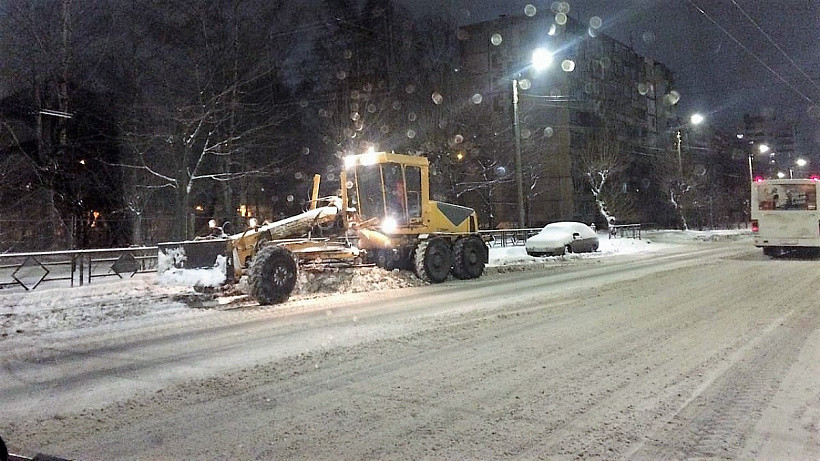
[[687, 350]]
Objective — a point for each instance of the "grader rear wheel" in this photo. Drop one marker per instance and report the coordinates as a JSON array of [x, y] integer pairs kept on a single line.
[[272, 275], [470, 257], [433, 260]]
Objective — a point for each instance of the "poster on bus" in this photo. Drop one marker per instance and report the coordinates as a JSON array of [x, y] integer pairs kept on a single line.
[[787, 197]]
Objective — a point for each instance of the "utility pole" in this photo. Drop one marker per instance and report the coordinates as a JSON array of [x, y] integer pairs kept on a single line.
[[519, 177]]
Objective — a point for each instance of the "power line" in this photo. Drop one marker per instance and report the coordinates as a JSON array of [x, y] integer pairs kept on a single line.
[[769, 38], [750, 52]]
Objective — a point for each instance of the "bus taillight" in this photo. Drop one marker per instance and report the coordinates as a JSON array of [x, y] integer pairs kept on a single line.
[[755, 226]]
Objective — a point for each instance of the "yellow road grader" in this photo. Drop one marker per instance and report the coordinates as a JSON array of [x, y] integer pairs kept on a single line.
[[384, 216]]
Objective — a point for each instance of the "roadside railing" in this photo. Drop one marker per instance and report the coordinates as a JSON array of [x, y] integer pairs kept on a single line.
[[29, 270], [625, 230], [507, 237]]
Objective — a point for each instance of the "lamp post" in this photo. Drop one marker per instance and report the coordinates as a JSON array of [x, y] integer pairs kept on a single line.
[[762, 148], [800, 164], [519, 175], [541, 58], [695, 119]]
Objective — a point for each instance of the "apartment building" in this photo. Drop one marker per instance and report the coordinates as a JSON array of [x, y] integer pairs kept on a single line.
[[594, 84]]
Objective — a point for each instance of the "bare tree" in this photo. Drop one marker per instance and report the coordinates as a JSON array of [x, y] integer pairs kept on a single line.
[[600, 161]]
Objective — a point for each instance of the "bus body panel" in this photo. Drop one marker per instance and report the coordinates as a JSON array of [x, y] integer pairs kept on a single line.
[[785, 213]]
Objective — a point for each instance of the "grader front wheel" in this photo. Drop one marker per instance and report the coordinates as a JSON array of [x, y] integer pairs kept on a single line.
[[272, 275], [433, 260]]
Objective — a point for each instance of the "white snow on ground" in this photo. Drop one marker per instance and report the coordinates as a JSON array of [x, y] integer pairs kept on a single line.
[[65, 309]]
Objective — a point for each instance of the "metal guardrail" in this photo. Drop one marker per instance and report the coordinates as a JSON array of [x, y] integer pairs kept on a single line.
[[29, 270], [625, 230], [508, 237]]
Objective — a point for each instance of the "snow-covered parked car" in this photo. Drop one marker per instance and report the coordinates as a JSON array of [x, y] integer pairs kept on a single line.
[[562, 237]]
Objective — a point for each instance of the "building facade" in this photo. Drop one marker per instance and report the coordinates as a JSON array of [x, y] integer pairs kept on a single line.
[[594, 85]]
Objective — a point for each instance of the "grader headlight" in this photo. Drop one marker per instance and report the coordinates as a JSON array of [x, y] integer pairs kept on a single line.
[[389, 225]]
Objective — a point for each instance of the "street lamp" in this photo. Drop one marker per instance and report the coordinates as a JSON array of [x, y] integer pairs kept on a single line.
[[695, 119], [762, 148], [800, 164], [541, 59]]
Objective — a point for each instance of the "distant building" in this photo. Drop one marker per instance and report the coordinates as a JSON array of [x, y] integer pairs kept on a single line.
[[594, 83], [780, 138]]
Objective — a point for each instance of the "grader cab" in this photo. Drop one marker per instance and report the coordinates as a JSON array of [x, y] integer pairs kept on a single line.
[[383, 217]]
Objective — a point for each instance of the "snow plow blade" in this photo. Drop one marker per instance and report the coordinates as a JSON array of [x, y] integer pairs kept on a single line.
[[200, 263]]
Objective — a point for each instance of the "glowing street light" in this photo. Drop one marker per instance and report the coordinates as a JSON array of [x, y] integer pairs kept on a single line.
[[541, 59], [801, 162], [694, 119], [762, 148]]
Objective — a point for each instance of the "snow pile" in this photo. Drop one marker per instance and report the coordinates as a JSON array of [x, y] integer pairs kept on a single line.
[[517, 255], [45, 310], [681, 237], [352, 280], [169, 274]]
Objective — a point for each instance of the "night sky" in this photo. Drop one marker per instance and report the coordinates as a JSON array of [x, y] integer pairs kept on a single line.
[[716, 76]]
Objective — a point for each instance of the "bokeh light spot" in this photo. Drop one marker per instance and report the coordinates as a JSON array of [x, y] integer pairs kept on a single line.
[[595, 22], [671, 98], [643, 89], [530, 10]]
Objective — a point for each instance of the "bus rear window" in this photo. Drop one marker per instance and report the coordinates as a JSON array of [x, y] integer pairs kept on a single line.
[[787, 197]]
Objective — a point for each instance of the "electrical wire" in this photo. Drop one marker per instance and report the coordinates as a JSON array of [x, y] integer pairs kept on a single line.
[[769, 38], [751, 53]]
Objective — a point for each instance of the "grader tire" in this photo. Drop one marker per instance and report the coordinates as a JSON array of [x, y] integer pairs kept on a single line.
[[272, 275], [470, 256], [433, 260]]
